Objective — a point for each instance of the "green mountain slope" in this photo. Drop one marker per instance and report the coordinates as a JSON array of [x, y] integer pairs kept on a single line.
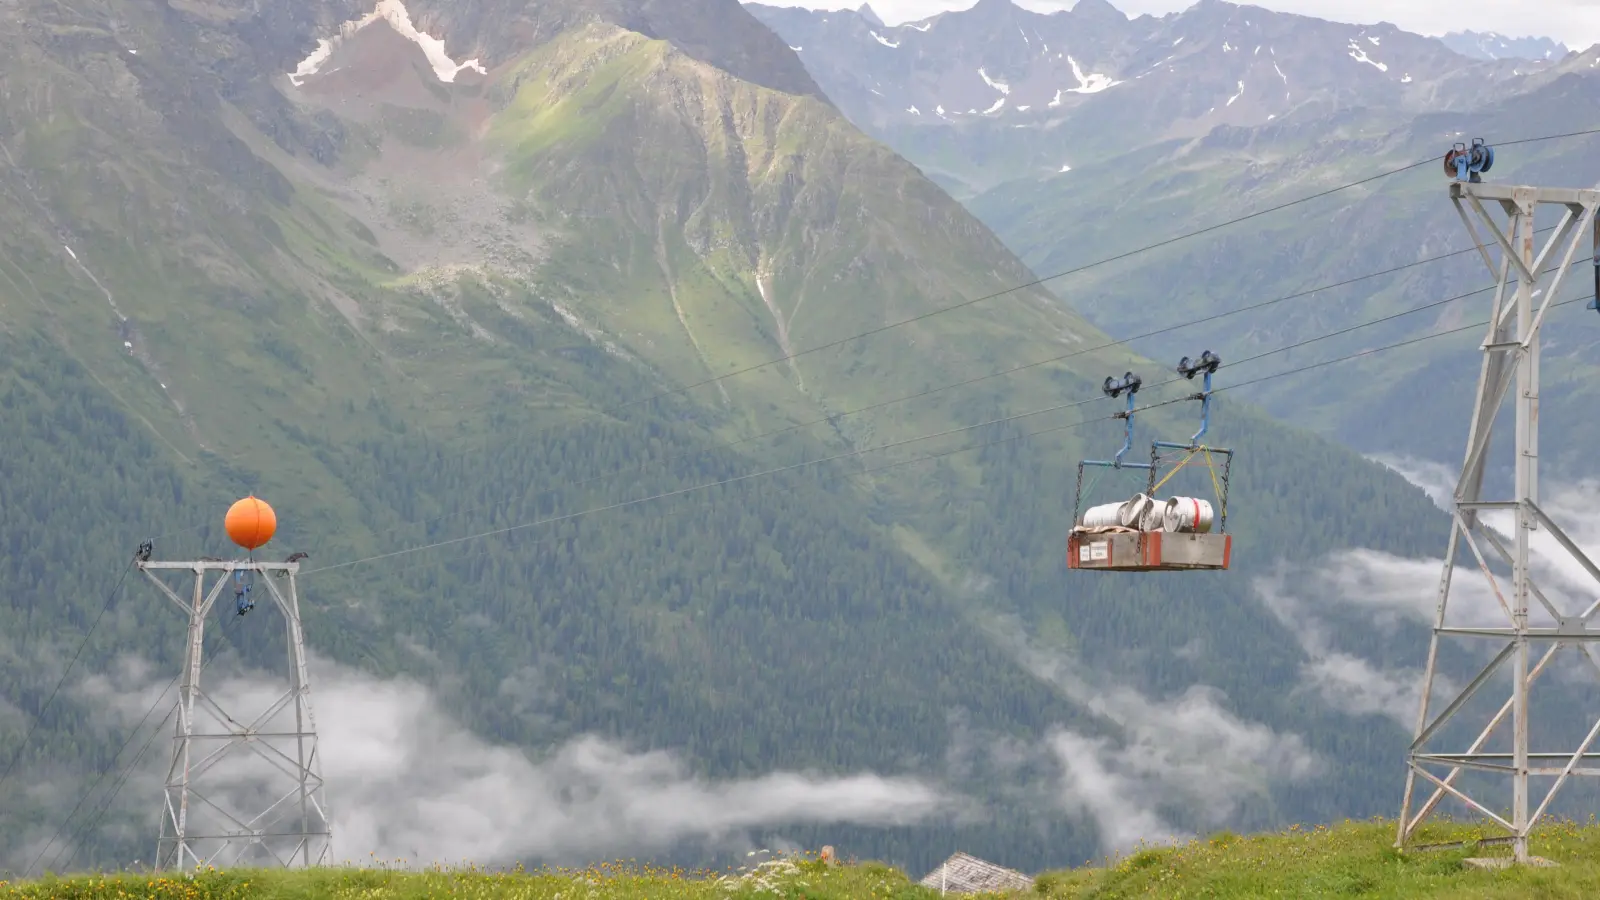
[[409, 310]]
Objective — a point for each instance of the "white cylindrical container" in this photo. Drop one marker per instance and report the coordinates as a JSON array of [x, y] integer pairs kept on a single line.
[[1103, 516], [1134, 512], [1187, 515], [1154, 516]]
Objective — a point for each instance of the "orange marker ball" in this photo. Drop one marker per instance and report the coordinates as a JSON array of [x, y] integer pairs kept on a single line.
[[251, 523]]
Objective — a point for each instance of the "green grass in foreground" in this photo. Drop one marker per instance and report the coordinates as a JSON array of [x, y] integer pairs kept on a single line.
[[1353, 859]]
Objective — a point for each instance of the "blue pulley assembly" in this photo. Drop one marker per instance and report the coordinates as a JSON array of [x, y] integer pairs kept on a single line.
[[1207, 364], [1465, 163], [1130, 383]]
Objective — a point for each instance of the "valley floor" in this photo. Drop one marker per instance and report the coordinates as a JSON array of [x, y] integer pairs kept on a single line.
[[1353, 859]]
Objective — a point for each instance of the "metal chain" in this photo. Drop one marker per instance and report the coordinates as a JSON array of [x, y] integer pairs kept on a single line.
[[1077, 498]]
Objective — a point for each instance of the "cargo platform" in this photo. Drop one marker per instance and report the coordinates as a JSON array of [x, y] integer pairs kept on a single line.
[[1125, 550]]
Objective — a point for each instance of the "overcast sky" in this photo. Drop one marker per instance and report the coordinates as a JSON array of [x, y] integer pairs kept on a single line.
[[1574, 22]]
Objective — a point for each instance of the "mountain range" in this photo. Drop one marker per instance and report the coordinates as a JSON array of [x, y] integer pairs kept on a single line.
[[997, 90], [638, 397]]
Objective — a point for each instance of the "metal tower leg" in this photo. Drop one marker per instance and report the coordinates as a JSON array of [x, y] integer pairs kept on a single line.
[[276, 815], [1511, 352]]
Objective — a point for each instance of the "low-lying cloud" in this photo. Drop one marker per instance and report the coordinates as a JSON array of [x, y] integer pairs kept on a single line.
[[1575, 508], [410, 778], [1186, 757], [1389, 591], [409, 782], [1392, 592], [1352, 685]]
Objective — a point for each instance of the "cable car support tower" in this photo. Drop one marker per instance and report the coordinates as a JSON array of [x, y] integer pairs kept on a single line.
[[1527, 287], [214, 813]]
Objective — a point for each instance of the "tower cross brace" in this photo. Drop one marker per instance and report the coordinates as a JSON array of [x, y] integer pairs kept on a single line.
[[206, 819], [1527, 287]]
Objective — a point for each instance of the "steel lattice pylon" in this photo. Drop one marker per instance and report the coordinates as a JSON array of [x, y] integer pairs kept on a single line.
[[1511, 353], [287, 818]]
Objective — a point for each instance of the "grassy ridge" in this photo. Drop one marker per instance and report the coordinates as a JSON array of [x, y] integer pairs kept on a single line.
[[1352, 859]]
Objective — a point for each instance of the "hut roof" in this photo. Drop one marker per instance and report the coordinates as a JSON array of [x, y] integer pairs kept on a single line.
[[963, 874]]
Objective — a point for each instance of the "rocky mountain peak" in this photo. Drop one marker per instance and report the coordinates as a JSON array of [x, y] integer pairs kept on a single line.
[[1489, 45], [721, 33], [1097, 11], [990, 8]]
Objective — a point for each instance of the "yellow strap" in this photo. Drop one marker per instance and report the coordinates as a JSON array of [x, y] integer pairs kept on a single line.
[[1175, 471], [1211, 467], [1216, 485]]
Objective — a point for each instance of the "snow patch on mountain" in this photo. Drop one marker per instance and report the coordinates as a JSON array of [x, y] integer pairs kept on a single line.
[[399, 18], [312, 63], [1000, 86], [1360, 55], [1092, 83]]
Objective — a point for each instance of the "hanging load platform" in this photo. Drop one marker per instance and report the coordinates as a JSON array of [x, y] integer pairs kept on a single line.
[[1146, 534], [1148, 551]]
